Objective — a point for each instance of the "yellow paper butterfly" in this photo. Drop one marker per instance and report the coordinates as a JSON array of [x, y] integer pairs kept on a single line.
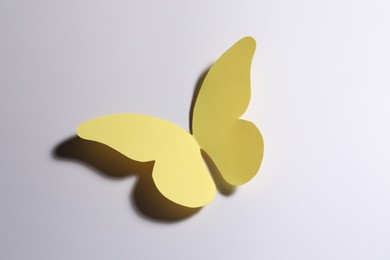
[[180, 173]]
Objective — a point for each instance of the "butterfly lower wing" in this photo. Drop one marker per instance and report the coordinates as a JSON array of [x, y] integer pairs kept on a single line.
[[235, 145], [179, 171]]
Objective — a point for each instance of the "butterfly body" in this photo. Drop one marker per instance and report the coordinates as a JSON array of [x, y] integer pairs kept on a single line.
[[234, 145]]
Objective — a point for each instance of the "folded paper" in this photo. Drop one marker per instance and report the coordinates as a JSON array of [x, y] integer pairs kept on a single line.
[[234, 145]]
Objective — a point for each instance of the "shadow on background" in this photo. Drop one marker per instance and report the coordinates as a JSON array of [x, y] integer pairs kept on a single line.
[[108, 163]]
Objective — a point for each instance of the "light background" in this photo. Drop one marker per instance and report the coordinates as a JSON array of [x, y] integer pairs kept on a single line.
[[320, 96]]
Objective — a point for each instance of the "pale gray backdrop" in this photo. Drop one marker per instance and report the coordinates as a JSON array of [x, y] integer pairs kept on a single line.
[[320, 96]]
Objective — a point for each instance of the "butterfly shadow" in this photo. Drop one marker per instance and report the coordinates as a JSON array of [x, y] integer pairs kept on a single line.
[[146, 200]]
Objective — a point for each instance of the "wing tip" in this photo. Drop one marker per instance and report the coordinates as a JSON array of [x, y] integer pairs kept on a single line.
[[83, 130], [80, 130], [249, 41]]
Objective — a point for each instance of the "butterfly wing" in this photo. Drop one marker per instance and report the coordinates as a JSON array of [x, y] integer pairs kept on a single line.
[[235, 145], [179, 171]]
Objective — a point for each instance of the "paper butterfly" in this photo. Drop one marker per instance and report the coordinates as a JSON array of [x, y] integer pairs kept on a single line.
[[180, 173]]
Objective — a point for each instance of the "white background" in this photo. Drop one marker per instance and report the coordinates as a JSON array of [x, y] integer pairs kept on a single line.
[[320, 96]]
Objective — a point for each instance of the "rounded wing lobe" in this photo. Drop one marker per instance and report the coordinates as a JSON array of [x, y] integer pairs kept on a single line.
[[179, 171]]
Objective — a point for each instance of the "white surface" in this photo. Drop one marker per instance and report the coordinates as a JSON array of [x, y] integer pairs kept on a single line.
[[321, 88]]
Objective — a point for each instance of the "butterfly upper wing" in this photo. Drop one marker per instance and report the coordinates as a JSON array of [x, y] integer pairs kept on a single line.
[[179, 171], [235, 146]]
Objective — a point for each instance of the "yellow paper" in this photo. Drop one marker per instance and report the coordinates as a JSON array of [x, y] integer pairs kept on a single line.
[[179, 171], [234, 145]]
